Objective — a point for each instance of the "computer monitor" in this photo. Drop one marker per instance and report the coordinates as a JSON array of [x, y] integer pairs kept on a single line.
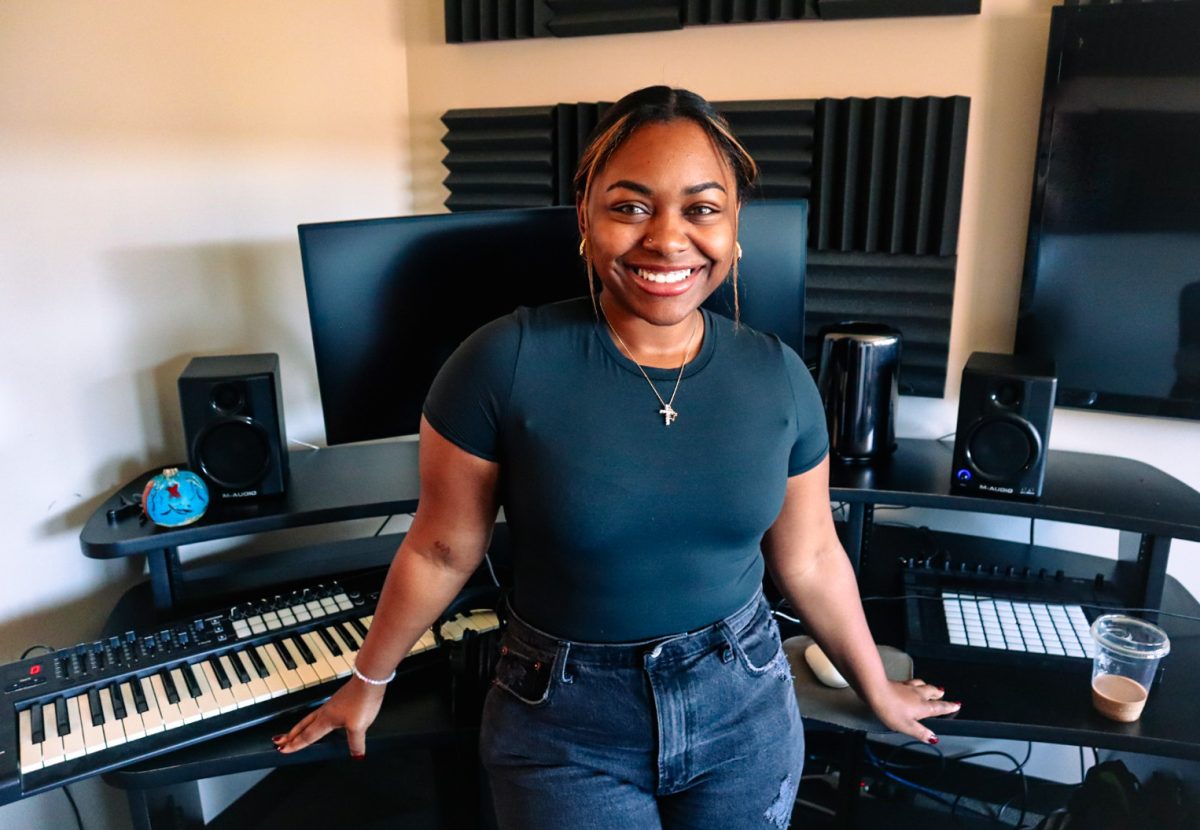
[[1111, 288], [390, 299]]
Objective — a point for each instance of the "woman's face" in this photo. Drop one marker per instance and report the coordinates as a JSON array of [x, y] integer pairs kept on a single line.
[[661, 222]]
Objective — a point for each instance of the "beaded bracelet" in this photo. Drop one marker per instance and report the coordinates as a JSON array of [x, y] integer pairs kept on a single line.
[[370, 681]]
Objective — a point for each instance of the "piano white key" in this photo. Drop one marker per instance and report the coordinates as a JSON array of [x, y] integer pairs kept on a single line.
[[290, 679], [52, 745], [323, 668], [353, 632], [426, 643], [207, 702], [241, 691], [307, 675], [337, 662], [188, 705], [226, 702], [171, 716], [114, 733], [132, 722], [259, 687], [73, 742], [349, 652], [93, 736], [31, 753], [152, 717]]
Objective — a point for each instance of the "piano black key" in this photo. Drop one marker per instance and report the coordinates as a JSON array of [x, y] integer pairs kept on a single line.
[[169, 687], [189, 679], [140, 704], [346, 636], [118, 701], [61, 717], [304, 650], [359, 627], [220, 673], [260, 668], [37, 730], [239, 668], [329, 642], [286, 657], [94, 704]]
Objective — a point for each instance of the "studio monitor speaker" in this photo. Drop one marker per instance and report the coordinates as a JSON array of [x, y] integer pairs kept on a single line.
[[1004, 410], [232, 410]]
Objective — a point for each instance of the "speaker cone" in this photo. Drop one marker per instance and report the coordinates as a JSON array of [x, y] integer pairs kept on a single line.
[[1000, 448], [235, 453]]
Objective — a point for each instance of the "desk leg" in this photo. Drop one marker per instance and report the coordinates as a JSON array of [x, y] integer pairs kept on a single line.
[[858, 530], [849, 777], [166, 808], [166, 576], [1142, 564]]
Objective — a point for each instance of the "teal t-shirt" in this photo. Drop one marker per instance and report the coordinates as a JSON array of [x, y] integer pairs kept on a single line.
[[623, 528]]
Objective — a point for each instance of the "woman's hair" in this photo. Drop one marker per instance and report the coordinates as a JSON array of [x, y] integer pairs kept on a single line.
[[659, 105]]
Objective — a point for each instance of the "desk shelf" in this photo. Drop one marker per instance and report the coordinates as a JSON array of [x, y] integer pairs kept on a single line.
[[1147, 506]]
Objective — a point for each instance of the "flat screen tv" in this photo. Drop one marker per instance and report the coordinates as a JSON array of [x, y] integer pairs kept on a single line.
[[1111, 288], [390, 299]]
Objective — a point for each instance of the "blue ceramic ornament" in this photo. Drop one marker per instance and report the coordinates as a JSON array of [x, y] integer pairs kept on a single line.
[[175, 498]]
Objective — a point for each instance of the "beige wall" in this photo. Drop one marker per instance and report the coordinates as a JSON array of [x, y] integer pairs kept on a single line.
[[156, 158]]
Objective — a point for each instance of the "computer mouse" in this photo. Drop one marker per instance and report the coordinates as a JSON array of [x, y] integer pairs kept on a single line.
[[823, 668]]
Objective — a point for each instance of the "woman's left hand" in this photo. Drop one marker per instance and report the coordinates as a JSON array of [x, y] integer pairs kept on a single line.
[[902, 705]]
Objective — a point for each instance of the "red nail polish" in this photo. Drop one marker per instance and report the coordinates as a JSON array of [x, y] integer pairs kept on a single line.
[[933, 739], [277, 738], [955, 703], [357, 756], [939, 688]]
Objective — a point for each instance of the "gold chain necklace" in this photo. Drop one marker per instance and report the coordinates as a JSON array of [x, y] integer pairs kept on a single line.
[[668, 412]]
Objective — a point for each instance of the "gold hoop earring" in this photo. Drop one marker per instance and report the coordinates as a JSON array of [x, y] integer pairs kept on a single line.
[[582, 245], [738, 249]]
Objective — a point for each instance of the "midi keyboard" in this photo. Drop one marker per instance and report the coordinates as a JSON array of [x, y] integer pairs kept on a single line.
[[99, 706]]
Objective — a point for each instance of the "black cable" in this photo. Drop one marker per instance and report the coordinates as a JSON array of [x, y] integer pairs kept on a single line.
[[1082, 771], [947, 435], [1095, 756], [936, 795], [886, 764], [25, 653], [1110, 610], [382, 526], [74, 807], [1031, 522]]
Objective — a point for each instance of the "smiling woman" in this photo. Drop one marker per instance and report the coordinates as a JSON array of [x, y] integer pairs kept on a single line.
[[641, 683]]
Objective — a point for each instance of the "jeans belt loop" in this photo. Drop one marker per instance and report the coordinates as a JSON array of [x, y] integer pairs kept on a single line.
[[564, 652]]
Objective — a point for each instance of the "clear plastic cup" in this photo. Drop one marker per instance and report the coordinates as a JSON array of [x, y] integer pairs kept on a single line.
[[1128, 651]]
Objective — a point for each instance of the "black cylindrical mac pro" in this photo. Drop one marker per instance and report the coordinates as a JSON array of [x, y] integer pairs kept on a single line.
[[1005, 406], [859, 382], [232, 409]]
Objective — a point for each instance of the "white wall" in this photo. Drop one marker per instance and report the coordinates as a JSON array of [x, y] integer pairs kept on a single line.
[[157, 157]]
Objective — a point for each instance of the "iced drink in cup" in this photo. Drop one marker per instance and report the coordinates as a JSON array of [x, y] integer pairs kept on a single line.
[[1127, 653]]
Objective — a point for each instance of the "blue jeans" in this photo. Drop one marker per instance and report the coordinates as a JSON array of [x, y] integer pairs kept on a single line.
[[699, 730]]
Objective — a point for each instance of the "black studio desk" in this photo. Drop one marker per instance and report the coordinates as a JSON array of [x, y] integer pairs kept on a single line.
[[1149, 507]]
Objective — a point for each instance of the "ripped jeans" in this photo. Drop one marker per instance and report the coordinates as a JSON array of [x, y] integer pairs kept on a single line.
[[698, 730]]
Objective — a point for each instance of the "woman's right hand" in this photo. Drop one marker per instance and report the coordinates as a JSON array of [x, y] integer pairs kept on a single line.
[[352, 707]]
